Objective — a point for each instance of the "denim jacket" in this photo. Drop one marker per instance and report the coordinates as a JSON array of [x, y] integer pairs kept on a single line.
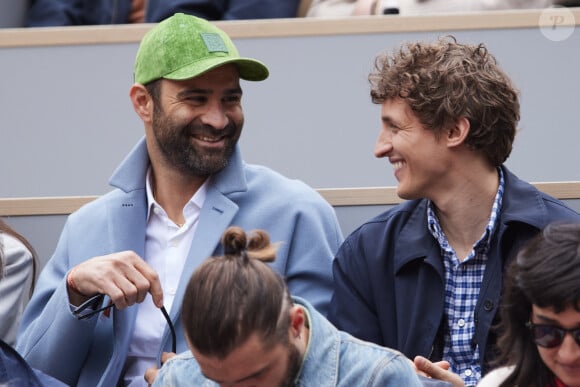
[[333, 358]]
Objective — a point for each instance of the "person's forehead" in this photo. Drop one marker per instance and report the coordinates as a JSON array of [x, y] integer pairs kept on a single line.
[[247, 359], [567, 317]]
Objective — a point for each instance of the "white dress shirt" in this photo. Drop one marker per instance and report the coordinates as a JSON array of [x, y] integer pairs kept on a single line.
[[166, 248]]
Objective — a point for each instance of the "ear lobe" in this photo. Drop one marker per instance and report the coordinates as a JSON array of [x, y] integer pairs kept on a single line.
[[142, 102], [458, 132]]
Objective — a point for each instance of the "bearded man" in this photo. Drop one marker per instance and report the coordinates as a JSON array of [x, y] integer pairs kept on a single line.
[[176, 192]]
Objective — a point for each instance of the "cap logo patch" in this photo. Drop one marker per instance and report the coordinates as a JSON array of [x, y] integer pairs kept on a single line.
[[213, 42]]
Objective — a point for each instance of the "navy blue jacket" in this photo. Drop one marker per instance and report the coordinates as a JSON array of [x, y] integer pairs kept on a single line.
[[45, 13], [390, 279], [14, 371]]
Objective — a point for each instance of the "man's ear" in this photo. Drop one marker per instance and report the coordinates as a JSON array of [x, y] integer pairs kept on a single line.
[[297, 320], [457, 133], [142, 102]]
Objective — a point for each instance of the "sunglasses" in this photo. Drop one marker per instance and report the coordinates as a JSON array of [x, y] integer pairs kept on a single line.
[[81, 316], [550, 336]]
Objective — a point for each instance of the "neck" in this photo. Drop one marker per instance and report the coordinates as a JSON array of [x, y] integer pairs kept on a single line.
[[173, 192], [464, 213]]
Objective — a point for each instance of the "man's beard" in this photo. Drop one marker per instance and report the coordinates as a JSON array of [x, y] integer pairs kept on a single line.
[[295, 359], [175, 142]]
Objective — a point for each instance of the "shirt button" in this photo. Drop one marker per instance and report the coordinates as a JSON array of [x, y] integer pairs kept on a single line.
[[172, 291], [468, 373], [461, 323]]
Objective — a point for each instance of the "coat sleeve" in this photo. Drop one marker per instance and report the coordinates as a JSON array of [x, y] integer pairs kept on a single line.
[[352, 306], [312, 243], [47, 323], [15, 283], [394, 371]]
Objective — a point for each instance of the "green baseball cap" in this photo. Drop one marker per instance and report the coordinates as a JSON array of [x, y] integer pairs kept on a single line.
[[184, 46]]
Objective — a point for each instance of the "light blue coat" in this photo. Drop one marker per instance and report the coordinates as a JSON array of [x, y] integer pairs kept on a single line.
[[333, 359], [92, 352]]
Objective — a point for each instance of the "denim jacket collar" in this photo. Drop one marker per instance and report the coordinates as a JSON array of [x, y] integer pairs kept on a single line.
[[324, 343]]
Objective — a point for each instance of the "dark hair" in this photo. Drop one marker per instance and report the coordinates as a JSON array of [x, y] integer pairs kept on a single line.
[[546, 273], [444, 81], [231, 297], [6, 229], [154, 90]]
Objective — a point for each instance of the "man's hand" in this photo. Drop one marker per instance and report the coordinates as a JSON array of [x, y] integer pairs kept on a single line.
[[151, 373], [438, 370], [123, 276]]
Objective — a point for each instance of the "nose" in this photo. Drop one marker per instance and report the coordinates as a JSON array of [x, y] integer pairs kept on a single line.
[[569, 350], [215, 116], [383, 145]]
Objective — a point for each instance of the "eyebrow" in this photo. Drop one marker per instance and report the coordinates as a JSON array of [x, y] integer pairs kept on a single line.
[[390, 120], [545, 319]]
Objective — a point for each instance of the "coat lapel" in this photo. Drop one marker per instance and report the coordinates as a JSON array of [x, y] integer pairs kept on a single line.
[[421, 310], [128, 220], [216, 215]]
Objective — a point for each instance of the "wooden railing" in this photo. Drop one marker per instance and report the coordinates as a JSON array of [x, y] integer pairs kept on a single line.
[[64, 205], [128, 33]]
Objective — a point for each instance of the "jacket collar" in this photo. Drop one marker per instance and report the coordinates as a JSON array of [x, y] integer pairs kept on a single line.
[[518, 198], [321, 360], [132, 172], [416, 233], [517, 201]]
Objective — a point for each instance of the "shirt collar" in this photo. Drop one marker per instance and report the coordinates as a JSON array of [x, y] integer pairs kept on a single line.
[[197, 199], [485, 240]]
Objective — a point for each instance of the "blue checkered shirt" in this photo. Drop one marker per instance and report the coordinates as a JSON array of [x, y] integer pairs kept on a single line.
[[462, 283]]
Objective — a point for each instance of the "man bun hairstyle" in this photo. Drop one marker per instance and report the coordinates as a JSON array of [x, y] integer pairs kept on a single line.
[[231, 297]]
